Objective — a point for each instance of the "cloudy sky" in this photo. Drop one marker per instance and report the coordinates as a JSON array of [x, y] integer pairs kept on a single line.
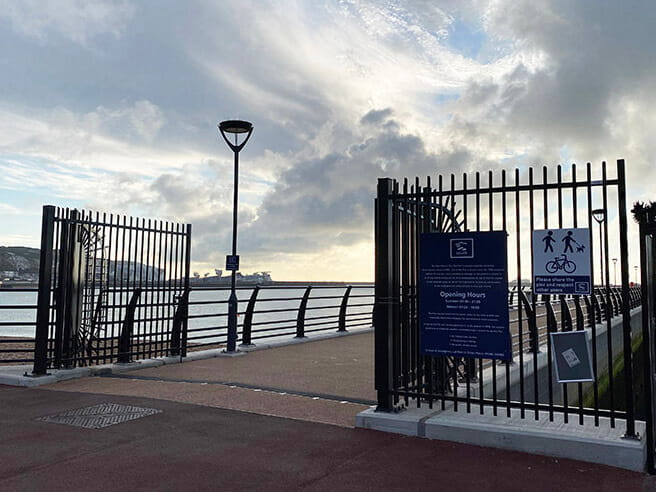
[[113, 106]]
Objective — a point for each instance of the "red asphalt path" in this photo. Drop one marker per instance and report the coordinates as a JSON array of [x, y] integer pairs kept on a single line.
[[194, 447]]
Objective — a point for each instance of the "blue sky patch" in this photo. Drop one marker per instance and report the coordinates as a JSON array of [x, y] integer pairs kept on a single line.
[[467, 39]]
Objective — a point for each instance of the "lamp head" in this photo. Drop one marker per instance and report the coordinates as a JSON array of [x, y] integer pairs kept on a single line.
[[235, 126], [599, 215]]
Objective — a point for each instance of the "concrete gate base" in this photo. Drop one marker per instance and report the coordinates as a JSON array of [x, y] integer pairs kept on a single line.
[[597, 444]]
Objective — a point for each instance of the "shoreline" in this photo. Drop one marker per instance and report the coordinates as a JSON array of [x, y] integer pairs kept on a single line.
[[275, 283]]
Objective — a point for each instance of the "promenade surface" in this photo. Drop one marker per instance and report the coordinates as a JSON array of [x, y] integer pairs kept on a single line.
[[278, 419]]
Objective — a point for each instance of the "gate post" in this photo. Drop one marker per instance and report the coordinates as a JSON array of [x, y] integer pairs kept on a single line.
[[45, 286], [71, 287], [187, 268], [383, 291], [642, 216], [626, 310]]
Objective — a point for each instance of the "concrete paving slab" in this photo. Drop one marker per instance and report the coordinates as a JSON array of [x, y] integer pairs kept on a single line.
[[20, 375], [337, 366], [597, 444], [407, 422], [221, 396]]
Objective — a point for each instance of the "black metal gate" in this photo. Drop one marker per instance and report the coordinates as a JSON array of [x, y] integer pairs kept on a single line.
[[518, 204], [646, 218], [111, 288]]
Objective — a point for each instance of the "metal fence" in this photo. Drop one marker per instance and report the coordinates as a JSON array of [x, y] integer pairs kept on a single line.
[[270, 312], [266, 313], [17, 317], [517, 204], [111, 288], [645, 215]]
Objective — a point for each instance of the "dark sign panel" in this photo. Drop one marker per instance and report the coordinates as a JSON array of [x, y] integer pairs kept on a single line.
[[232, 263], [571, 353], [463, 296]]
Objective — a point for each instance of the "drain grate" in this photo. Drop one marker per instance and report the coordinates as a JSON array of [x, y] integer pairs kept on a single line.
[[99, 416]]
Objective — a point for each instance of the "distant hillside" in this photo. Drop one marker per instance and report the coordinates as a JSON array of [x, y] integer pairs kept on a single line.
[[19, 258], [25, 263]]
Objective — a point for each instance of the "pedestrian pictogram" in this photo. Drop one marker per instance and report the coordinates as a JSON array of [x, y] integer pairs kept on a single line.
[[548, 241], [568, 240]]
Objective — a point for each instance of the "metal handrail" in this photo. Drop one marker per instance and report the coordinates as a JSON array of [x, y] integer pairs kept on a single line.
[[266, 324]]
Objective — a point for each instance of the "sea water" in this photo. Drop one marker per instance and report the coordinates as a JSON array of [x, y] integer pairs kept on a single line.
[[281, 303]]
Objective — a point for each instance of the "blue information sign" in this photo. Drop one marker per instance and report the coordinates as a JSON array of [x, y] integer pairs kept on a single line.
[[463, 296], [232, 263]]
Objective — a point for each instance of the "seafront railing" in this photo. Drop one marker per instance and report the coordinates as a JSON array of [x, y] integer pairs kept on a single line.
[[17, 325], [265, 314], [274, 312], [269, 313]]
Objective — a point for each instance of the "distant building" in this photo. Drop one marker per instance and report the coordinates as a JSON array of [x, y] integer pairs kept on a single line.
[[219, 279]]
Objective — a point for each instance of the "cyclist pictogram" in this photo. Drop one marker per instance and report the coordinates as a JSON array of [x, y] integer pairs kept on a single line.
[[560, 263]]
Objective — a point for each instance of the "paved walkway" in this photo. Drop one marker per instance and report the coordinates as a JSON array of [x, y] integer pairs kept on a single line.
[[327, 381], [277, 440]]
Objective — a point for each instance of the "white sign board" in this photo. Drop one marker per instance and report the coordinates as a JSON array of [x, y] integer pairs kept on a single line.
[[561, 261]]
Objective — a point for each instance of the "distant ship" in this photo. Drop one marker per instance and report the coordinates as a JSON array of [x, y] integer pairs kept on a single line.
[[257, 278]]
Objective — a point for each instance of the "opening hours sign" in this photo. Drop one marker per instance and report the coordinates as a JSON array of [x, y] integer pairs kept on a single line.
[[463, 295]]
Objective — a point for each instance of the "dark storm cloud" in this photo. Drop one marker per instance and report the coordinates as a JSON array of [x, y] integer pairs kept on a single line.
[[329, 200], [375, 117], [593, 56]]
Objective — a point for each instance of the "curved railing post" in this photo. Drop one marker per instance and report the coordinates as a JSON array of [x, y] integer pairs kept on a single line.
[[248, 319], [580, 322], [565, 315], [343, 308], [126, 331], [552, 323], [617, 294], [181, 313], [590, 311], [597, 308], [534, 346], [300, 319], [603, 311]]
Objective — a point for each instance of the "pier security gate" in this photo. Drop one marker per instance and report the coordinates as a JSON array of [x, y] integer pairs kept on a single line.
[[646, 218], [111, 289], [516, 203]]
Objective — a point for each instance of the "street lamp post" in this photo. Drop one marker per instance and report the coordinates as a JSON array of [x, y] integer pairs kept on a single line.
[[599, 215], [237, 128]]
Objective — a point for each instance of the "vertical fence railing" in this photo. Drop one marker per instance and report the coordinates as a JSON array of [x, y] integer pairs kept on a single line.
[[518, 204]]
